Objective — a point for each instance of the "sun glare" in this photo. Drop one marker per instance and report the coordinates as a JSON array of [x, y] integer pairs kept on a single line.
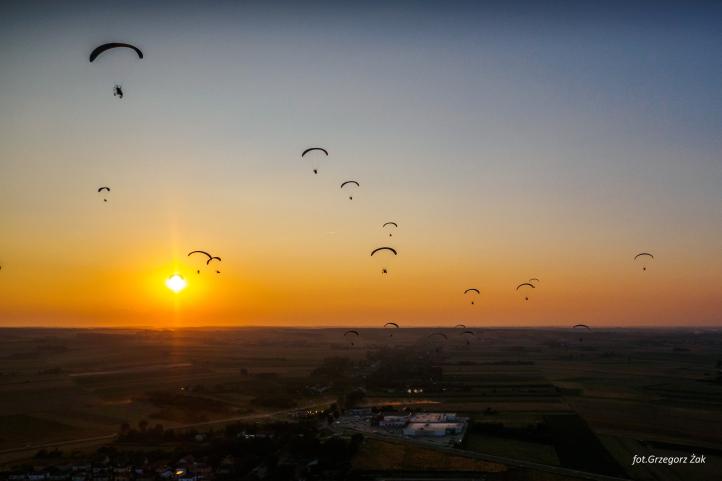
[[176, 283]]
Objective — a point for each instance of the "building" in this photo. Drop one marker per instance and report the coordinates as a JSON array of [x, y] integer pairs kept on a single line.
[[394, 421], [434, 429], [433, 418]]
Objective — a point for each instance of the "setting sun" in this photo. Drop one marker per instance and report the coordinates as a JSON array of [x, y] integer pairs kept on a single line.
[[176, 283]]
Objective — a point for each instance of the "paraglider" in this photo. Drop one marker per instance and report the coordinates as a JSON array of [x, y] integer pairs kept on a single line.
[[438, 339], [389, 225], [208, 260], [391, 325], [467, 336], [351, 332], [117, 89], [645, 256], [315, 159], [525, 285], [582, 327], [106, 189], [350, 184], [214, 258], [474, 290], [391, 250]]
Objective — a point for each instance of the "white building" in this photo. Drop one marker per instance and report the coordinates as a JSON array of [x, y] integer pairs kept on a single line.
[[433, 418], [394, 421], [433, 429]]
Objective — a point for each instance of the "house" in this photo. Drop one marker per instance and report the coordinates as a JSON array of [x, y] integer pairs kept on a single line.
[[433, 429]]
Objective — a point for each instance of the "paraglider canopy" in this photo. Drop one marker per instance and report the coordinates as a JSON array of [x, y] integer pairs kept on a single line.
[[440, 334], [380, 249], [201, 252], [314, 148], [107, 46]]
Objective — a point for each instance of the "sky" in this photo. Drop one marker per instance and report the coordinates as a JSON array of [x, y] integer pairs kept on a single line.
[[508, 140]]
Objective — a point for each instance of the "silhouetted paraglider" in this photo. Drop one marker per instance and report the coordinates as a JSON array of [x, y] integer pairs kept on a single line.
[[391, 325], [349, 185], [438, 339], [313, 158], [390, 250], [582, 327], [525, 285], [351, 334], [104, 189], [209, 258], [473, 291], [645, 256], [389, 225], [97, 51], [468, 336]]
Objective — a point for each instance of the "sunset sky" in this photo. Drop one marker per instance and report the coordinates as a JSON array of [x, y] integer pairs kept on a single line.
[[507, 141]]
